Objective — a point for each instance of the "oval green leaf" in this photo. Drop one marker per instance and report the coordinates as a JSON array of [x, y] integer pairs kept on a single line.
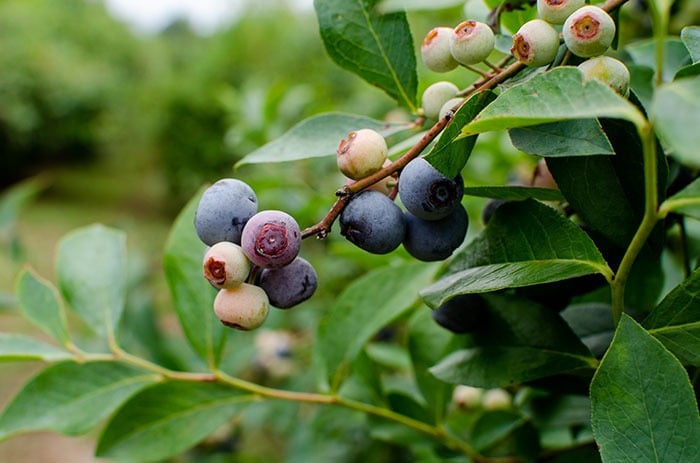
[[643, 406], [91, 267], [192, 295], [675, 113], [167, 419], [676, 320], [42, 305], [365, 306], [525, 243], [377, 47], [315, 137], [559, 94], [71, 398], [20, 348]]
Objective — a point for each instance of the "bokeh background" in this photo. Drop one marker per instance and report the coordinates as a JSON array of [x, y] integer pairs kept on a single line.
[[115, 114]]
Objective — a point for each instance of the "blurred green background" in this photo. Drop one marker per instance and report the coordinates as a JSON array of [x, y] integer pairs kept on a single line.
[[99, 123]]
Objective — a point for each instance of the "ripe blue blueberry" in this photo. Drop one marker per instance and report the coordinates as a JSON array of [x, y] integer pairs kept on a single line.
[[289, 285], [223, 211], [432, 240], [372, 222], [271, 239], [461, 314], [427, 193]]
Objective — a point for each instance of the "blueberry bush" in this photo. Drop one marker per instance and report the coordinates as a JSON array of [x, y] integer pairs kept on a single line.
[[564, 329]]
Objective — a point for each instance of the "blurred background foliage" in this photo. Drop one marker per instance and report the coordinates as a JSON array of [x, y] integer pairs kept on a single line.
[[99, 123]]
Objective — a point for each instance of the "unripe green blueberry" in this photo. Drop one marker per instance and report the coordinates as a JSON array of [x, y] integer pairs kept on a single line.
[[244, 307], [497, 399], [536, 43], [225, 265], [467, 397], [437, 95], [556, 11], [362, 153], [588, 31], [608, 70], [471, 42], [435, 50]]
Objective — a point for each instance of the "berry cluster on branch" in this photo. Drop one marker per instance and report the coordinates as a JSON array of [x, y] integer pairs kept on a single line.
[[258, 262]]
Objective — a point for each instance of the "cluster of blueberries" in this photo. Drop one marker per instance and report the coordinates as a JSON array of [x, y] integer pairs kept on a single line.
[[253, 257], [587, 31], [434, 223]]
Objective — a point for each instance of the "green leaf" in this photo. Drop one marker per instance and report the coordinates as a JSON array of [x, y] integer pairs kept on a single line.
[[675, 55], [428, 342], [559, 94], [642, 404], [450, 154], [17, 347], [517, 341], [676, 320], [365, 306], [525, 243], [607, 192], [686, 201], [167, 419], [16, 198], [91, 267], [514, 193], [376, 47], [500, 366], [316, 136], [675, 113], [577, 137], [593, 324], [42, 305], [386, 6], [71, 398], [193, 296], [690, 36]]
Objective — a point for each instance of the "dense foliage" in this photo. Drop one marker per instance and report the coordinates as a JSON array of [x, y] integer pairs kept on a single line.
[[571, 312]]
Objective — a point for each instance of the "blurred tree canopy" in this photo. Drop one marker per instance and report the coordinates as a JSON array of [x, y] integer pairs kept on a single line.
[[79, 86]]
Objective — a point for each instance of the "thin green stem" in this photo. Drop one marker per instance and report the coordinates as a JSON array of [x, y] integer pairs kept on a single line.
[[648, 223], [435, 432]]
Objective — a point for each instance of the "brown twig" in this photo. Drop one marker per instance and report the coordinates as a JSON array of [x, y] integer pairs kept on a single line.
[[489, 81]]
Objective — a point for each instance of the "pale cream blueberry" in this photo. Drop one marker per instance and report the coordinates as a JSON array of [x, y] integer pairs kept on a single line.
[[556, 11], [435, 50], [608, 70], [225, 265], [588, 31], [362, 153], [471, 42], [244, 307], [536, 43], [437, 95]]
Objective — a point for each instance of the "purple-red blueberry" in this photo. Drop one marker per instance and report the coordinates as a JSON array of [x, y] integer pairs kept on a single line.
[[271, 239]]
